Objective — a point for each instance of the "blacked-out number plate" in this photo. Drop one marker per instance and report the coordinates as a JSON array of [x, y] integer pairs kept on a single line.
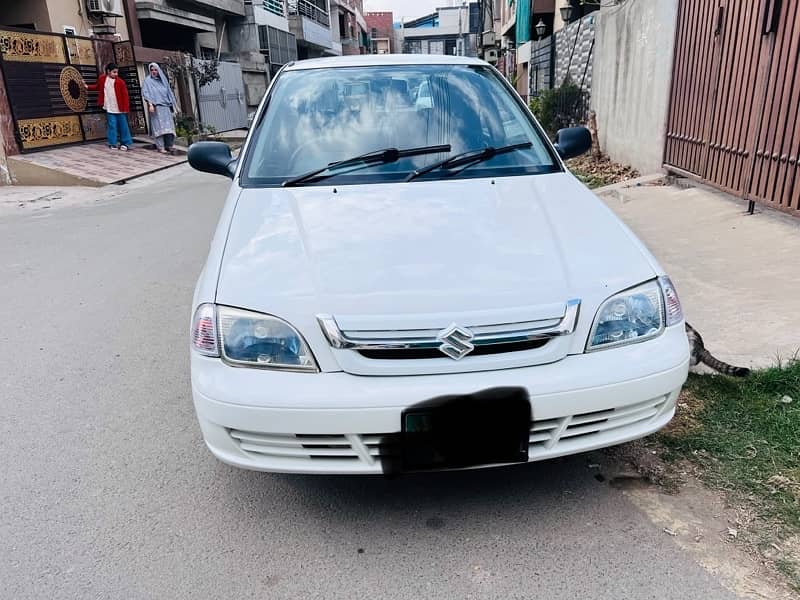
[[489, 427]]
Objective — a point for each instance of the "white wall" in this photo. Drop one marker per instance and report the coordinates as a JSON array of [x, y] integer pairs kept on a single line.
[[265, 17], [524, 53], [632, 76], [448, 20]]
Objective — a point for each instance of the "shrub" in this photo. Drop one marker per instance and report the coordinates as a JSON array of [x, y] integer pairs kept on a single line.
[[560, 107]]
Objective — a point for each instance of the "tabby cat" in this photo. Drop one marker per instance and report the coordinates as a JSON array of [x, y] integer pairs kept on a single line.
[[699, 354]]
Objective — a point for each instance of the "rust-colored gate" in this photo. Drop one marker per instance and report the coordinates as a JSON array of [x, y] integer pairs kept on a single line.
[[734, 107]]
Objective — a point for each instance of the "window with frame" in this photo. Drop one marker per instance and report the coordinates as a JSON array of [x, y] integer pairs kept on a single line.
[[279, 46], [275, 7]]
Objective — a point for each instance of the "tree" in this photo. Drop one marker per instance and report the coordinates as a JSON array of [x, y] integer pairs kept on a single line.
[[204, 71]]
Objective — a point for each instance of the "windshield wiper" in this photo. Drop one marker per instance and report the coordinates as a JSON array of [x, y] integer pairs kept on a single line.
[[469, 158], [389, 155]]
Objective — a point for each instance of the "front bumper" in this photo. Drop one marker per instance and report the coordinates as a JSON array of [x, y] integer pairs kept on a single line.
[[341, 423]]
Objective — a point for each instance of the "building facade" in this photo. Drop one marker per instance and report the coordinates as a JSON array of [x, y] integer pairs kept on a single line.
[[450, 30], [85, 19], [207, 29], [349, 27], [328, 27], [380, 27], [276, 41], [310, 22], [536, 46]]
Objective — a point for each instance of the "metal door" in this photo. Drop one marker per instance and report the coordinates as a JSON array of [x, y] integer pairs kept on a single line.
[[44, 76], [222, 102], [735, 98]]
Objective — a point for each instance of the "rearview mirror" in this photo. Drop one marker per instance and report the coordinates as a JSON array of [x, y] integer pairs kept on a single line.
[[573, 141], [212, 157]]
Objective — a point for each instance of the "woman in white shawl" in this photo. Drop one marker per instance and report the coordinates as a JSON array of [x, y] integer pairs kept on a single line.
[[161, 103]]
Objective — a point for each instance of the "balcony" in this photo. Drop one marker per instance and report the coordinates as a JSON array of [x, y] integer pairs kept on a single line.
[[351, 6], [311, 11], [166, 15], [232, 7], [311, 25]]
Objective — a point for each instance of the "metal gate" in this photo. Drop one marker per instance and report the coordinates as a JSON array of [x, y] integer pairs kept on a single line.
[[733, 119], [44, 75], [222, 102]]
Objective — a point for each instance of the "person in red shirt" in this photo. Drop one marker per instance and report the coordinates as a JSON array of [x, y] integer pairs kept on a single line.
[[112, 96]]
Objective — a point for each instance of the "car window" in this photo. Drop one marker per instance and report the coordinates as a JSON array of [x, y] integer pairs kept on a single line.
[[319, 116]]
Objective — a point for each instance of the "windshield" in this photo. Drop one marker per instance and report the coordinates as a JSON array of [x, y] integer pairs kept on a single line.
[[319, 116]]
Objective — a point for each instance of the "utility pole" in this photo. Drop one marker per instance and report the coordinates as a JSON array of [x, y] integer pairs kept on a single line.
[[461, 28]]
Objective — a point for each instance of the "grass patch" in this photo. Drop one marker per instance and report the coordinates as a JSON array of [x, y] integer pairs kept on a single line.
[[745, 434]]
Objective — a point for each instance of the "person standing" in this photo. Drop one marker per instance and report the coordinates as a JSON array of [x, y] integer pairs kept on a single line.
[[112, 96], [161, 103]]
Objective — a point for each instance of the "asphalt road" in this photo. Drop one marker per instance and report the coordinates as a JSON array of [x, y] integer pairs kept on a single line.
[[107, 490]]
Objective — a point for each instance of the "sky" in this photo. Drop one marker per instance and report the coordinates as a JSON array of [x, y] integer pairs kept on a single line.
[[405, 8]]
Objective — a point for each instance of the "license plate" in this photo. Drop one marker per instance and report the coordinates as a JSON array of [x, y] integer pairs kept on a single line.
[[489, 427]]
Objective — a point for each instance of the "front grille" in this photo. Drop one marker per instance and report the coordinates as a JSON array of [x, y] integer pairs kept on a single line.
[[316, 447], [547, 437], [414, 353], [396, 345], [548, 434]]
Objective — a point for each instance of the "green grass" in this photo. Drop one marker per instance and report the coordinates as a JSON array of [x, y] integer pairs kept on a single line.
[[748, 443], [592, 181]]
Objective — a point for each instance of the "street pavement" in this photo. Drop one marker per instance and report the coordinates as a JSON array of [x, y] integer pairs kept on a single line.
[[107, 490]]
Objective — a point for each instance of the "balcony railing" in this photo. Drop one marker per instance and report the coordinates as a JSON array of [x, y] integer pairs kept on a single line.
[[308, 9], [275, 7]]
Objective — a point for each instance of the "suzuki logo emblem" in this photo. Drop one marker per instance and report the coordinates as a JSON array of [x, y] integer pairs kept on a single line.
[[456, 341]]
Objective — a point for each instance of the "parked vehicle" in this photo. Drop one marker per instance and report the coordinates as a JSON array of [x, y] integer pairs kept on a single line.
[[397, 285]]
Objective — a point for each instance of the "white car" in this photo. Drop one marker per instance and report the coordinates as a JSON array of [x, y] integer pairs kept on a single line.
[[396, 286]]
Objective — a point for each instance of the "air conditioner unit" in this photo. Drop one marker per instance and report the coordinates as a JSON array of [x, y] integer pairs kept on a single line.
[[105, 7], [490, 55]]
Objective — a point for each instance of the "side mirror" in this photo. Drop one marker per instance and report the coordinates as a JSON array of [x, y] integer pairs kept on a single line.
[[573, 141], [212, 157]]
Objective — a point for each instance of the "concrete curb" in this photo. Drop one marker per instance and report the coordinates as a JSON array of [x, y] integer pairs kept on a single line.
[[638, 181]]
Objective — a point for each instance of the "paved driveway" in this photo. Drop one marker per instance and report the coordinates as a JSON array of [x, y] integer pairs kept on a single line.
[[738, 275]]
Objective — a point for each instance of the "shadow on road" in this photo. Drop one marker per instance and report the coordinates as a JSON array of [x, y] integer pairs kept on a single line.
[[513, 490]]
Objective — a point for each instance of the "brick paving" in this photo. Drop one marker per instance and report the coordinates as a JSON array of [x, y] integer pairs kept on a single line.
[[98, 162]]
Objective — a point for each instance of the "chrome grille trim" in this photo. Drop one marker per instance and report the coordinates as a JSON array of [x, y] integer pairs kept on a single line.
[[424, 339]]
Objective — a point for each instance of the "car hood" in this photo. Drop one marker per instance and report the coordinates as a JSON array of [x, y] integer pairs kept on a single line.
[[423, 248]]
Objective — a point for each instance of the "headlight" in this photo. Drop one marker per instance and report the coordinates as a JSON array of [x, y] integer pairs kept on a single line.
[[632, 316], [253, 339]]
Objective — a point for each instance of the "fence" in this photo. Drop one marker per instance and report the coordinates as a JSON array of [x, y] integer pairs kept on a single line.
[[541, 69], [561, 74], [735, 100]]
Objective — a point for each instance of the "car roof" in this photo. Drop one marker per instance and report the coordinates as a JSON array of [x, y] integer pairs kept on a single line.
[[378, 60]]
